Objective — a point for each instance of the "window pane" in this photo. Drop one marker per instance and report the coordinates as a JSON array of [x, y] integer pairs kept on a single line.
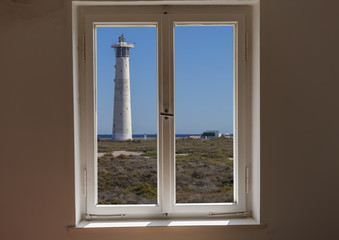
[[126, 115], [204, 114]]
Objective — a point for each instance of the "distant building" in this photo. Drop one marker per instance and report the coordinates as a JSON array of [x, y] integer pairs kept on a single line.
[[226, 135], [210, 134]]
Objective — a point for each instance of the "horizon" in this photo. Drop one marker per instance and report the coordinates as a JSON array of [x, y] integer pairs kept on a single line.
[[175, 134]]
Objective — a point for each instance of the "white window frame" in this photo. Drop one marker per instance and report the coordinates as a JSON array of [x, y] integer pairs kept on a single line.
[[86, 18]]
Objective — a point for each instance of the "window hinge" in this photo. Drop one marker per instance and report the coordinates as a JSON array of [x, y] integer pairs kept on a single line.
[[85, 183], [246, 46], [247, 180], [83, 48]]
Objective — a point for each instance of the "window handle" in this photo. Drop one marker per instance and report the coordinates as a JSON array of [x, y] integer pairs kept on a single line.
[[166, 114]]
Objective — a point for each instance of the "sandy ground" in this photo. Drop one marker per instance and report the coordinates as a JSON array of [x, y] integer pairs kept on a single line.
[[118, 153]]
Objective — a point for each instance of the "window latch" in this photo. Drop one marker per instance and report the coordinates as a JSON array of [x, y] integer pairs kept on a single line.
[[166, 114]]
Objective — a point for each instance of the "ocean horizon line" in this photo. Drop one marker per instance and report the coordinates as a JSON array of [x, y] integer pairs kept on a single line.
[[152, 135]]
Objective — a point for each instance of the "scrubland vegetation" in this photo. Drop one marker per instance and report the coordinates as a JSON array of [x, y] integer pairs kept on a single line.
[[203, 168]]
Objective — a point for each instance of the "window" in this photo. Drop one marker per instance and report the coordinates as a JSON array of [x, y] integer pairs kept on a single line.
[[185, 132]]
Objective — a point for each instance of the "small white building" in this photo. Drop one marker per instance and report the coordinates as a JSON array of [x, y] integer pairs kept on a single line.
[[226, 135]]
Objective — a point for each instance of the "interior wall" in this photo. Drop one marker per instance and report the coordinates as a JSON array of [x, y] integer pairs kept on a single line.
[[299, 125]]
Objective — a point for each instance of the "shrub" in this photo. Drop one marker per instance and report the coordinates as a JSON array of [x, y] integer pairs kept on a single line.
[[204, 174], [123, 156]]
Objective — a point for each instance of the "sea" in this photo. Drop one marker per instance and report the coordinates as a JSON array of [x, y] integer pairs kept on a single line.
[[152, 135]]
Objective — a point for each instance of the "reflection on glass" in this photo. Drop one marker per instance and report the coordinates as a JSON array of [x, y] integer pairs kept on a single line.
[[204, 114], [126, 115]]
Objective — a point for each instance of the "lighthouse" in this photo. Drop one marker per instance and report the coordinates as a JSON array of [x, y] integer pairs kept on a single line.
[[122, 119]]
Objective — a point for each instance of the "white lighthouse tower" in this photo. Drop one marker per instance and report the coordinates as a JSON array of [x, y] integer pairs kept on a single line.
[[122, 120]]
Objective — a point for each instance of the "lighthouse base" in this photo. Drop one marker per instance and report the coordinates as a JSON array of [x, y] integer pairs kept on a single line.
[[122, 137]]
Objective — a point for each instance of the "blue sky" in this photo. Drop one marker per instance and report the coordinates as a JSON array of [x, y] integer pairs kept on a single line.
[[203, 78]]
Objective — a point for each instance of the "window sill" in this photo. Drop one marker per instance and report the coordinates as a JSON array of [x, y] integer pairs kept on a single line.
[[118, 224]]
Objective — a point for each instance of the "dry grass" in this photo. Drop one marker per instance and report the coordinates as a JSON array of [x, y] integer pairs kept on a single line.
[[204, 171]]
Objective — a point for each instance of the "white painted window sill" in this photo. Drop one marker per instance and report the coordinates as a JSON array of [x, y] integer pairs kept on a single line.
[[230, 223]]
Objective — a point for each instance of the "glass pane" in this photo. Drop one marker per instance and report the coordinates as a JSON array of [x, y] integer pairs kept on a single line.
[[126, 115], [204, 114]]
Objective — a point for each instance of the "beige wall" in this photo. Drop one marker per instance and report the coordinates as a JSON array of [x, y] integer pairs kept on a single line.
[[299, 120]]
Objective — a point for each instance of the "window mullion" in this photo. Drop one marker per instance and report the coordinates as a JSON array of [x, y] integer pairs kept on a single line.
[[166, 123]]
